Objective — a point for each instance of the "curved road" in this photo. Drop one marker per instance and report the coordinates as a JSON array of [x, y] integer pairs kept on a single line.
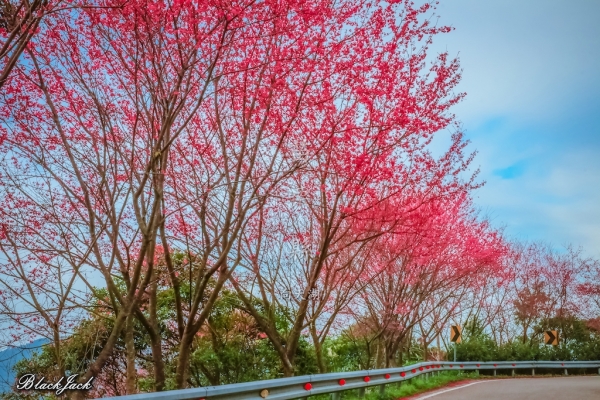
[[575, 387]]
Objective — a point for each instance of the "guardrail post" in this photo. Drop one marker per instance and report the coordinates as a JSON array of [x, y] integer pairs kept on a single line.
[[381, 389], [361, 393], [532, 371], [494, 371], [598, 371], [513, 372], [566, 373], [336, 396]]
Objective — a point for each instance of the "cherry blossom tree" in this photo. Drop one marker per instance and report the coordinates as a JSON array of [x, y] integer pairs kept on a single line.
[[20, 20], [365, 150], [588, 291], [430, 267], [92, 121]]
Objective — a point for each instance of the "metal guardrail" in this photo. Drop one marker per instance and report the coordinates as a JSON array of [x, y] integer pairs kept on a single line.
[[299, 387]]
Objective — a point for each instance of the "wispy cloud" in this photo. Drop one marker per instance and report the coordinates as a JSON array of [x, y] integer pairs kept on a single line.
[[511, 172], [532, 111]]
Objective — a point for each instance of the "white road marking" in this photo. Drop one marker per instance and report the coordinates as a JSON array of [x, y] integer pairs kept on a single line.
[[449, 390]]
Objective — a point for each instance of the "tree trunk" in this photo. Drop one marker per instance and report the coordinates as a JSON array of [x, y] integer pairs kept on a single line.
[[389, 357], [57, 350], [96, 367], [183, 359], [156, 338], [159, 366], [525, 328], [379, 357], [130, 380], [318, 350]]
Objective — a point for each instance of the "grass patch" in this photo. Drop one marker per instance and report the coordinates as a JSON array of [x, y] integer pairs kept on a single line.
[[411, 387]]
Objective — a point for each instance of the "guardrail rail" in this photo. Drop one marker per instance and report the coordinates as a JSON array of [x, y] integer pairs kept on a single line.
[[300, 387]]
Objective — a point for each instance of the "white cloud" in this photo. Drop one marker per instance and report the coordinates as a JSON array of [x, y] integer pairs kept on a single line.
[[527, 59], [556, 201], [532, 83]]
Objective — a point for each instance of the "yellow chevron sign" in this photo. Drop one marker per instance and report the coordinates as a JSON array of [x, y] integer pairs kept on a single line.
[[455, 334], [551, 337]]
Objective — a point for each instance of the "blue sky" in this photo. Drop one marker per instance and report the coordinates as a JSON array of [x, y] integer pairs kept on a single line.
[[531, 71]]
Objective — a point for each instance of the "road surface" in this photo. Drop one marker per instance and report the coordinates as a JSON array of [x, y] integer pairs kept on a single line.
[[575, 387]]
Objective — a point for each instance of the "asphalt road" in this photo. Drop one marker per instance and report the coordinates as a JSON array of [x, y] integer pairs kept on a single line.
[[576, 388]]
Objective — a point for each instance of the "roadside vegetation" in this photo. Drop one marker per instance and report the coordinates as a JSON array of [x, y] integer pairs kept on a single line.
[[395, 391]]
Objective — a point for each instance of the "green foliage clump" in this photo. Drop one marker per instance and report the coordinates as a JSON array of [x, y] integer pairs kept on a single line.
[[577, 343]]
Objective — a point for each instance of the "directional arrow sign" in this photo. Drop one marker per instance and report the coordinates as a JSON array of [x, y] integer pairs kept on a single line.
[[455, 331], [551, 337]]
